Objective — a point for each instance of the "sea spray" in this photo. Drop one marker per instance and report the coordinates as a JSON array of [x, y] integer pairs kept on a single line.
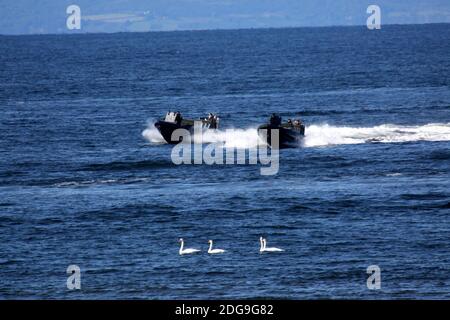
[[213, 153], [323, 135], [152, 134]]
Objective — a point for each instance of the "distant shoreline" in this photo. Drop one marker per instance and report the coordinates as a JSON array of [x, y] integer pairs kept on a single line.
[[73, 33]]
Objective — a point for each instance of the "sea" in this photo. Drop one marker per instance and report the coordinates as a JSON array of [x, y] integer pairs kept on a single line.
[[87, 181]]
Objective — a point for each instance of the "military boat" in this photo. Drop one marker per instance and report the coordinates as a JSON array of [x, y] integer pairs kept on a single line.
[[174, 120], [290, 133]]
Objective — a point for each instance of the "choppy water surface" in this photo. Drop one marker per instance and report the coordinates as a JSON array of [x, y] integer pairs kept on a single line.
[[85, 179]]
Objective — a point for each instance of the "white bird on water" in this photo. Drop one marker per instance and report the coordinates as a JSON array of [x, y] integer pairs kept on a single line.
[[261, 243], [264, 246], [214, 251], [188, 250]]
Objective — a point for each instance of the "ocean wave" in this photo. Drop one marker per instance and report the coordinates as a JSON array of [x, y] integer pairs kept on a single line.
[[440, 155], [127, 165], [86, 183]]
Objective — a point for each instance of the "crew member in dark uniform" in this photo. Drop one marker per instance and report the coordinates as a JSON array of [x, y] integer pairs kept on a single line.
[[178, 118], [275, 120]]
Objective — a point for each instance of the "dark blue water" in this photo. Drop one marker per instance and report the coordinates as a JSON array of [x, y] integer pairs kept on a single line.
[[85, 180]]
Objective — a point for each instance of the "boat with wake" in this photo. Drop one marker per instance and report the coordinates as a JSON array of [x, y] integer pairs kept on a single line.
[[173, 121], [290, 133]]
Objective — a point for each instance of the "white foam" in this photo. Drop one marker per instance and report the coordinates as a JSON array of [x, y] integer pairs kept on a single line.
[[395, 174], [152, 134], [324, 135], [233, 138]]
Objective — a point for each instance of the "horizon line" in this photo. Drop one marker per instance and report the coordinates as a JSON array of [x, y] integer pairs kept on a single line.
[[72, 33]]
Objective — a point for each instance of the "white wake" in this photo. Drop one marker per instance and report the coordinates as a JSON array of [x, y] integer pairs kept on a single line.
[[324, 135], [232, 138], [151, 134]]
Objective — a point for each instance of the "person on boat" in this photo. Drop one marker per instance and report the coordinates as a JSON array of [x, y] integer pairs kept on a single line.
[[275, 120], [216, 122], [213, 121], [209, 120], [178, 118], [289, 122]]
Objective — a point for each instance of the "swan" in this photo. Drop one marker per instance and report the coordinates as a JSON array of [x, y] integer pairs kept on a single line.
[[186, 251], [261, 242], [270, 249], [214, 251]]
